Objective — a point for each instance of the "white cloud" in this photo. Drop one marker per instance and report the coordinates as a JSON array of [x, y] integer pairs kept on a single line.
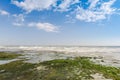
[[65, 5], [48, 27], [99, 13], [17, 24], [30, 5], [106, 7], [95, 11], [93, 3], [2, 12], [18, 20], [89, 16]]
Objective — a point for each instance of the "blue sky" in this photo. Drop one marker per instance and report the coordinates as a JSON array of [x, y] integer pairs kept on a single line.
[[60, 22]]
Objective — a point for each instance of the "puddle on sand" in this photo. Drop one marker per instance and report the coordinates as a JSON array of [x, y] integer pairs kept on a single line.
[[36, 57], [7, 61]]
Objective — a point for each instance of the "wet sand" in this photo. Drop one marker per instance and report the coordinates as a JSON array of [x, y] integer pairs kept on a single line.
[[102, 55]]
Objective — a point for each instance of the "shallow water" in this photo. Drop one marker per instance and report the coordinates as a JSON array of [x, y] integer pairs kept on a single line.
[[36, 54], [7, 61]]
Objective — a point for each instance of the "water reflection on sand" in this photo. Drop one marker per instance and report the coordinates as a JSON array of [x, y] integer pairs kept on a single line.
[[36, 54]]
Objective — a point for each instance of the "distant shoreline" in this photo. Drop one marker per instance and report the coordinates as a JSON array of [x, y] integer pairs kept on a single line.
[[57, 46]]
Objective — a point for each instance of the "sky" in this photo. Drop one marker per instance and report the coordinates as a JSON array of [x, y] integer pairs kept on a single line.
[[60, 22]]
